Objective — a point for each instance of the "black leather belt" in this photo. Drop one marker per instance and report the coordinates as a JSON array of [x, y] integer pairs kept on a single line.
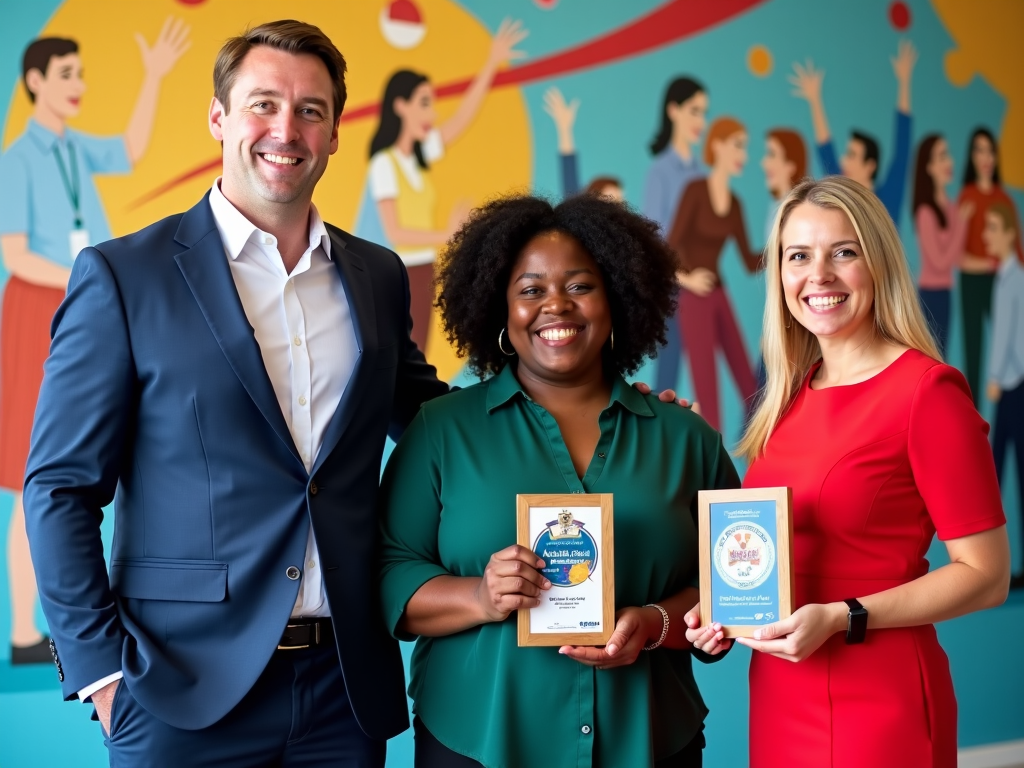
[[306, 633]]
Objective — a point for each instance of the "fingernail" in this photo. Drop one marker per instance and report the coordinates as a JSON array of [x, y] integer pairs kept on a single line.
[[562, 651], [716, 626], [757, 634], [610, 649], [546, 583]]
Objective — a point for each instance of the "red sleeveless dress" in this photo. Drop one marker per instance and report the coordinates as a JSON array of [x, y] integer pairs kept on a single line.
[[876, 468]]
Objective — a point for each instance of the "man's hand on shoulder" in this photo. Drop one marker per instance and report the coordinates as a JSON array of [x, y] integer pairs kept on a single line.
[[668, 396], [103, 699]]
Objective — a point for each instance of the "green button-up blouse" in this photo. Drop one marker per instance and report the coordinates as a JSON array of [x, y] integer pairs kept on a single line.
[[449, 502]]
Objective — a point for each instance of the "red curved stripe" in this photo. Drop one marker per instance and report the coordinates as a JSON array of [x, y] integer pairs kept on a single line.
[[666, 24]]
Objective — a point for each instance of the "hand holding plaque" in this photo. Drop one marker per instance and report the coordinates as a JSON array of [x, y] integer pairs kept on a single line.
[[746, 566], [511, 581]]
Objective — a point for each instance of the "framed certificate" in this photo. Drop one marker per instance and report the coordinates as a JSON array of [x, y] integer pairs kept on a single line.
[[746, 558], [573, 534]]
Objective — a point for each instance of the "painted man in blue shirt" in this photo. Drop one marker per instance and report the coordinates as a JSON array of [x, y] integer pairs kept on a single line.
[[862, 158], [50, 210]]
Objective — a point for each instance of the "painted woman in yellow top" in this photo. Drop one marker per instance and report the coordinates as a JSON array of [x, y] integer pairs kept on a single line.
[[406, 143]]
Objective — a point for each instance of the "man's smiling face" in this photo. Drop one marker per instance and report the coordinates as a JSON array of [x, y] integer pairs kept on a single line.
[[277, 130]]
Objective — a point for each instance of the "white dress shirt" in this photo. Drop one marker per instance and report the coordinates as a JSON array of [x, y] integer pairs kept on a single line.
[[303, 324]]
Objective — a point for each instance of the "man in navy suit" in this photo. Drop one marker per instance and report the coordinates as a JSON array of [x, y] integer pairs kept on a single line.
[[227, 377]]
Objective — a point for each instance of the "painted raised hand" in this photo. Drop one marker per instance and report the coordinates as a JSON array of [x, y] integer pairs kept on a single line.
[[170, 45], [503, 47], [563, 113], [904, 60], [807, 81]]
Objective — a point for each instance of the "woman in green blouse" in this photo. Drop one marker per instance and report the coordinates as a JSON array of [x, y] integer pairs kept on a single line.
[[552, 306]]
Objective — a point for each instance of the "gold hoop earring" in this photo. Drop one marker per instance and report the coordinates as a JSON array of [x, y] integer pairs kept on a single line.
[[613, 338], [507, 354]]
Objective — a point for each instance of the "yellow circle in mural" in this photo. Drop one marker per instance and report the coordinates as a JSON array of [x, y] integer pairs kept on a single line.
[[759, 60]]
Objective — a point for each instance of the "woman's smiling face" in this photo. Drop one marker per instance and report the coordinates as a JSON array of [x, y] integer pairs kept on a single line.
[[825, 276], [558, 314]]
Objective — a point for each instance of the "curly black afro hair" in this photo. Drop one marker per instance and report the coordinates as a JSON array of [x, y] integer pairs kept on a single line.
[[637, 266]]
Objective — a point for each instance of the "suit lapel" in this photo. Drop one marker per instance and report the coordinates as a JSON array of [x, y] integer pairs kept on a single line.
[[359, 290], [206, 270]]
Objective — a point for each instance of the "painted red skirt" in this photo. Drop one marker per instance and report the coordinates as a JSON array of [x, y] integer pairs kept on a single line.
[[25, 320]]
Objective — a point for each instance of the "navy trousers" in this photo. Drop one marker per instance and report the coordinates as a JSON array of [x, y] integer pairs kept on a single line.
[[297, 714]]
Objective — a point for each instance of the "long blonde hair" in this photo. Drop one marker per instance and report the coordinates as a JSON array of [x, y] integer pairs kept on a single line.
[[789, 349]]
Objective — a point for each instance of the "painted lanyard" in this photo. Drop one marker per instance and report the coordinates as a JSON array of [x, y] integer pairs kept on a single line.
[[71, 186]]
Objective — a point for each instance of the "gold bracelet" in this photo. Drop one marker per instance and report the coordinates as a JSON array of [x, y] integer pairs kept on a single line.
[[664, 627]]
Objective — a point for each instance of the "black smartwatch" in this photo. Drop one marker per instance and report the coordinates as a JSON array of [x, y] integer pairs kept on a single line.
[[856, 622]]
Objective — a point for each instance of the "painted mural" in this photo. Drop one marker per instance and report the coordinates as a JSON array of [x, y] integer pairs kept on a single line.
[[700, 115]]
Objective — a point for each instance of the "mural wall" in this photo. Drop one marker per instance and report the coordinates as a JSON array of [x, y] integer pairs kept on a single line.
[[672, 105]]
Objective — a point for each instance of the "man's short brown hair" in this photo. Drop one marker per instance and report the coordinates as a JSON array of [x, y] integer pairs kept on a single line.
[[38, 55], [285, 35]]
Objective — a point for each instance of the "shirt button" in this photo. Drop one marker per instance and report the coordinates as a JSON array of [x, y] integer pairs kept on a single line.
[[585, 729], [600, 455], [302, 399], [311, 564], [298, 342], [292, 573], [313, 489]]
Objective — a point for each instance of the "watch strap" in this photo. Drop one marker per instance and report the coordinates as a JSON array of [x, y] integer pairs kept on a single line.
[[856, 621]]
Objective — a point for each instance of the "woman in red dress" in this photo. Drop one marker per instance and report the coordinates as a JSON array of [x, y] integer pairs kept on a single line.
[[883, 448]]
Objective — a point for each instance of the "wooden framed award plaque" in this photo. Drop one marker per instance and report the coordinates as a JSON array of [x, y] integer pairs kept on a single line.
[[746, 558], [574, 535]]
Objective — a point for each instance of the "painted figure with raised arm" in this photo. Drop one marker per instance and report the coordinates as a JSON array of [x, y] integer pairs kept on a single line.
[[50, 210], [563, 115], [863, 158], [408, 140]]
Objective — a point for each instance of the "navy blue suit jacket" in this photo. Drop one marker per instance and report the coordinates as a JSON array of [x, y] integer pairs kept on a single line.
[[155, 396]]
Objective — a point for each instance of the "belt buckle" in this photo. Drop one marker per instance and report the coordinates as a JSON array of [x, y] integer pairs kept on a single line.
[[316, 626]]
